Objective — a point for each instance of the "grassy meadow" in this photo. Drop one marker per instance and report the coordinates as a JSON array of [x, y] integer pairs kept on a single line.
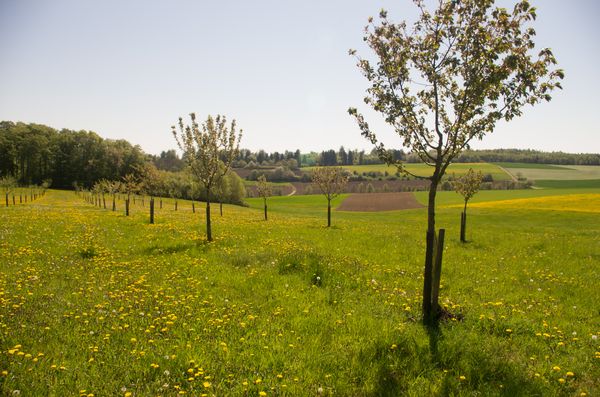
[[557, 176], [421, 169], [93, 303]]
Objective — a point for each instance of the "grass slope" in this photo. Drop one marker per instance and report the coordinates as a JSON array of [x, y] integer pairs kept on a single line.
[[93, 302], [574, 172], [534, 166], [425, 170], [566, 184]]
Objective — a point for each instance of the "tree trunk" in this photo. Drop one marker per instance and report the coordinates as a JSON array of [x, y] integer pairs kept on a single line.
[[208, 229], [127, 206], [14, 201], [151, 210], [20, 199], [463, 220], [160, 201], [265, 208], [175, 205], [104, 201], [429, 311], [193, 207], [114, 204], [221, 207], [463, 225], [7, 199], [328, 212]]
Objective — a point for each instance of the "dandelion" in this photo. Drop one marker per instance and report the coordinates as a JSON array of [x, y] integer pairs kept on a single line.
[[462, 378], [262, 393], [570, 374]]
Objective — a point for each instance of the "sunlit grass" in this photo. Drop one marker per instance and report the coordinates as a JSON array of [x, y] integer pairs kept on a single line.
[[93, 302]]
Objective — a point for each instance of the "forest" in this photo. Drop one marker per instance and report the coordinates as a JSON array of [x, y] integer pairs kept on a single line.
[[33, 153]]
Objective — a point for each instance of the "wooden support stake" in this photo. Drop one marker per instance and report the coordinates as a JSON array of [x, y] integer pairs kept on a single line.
[[437, 272]]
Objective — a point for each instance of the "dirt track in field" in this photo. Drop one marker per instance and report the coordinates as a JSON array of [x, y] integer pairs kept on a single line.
[[371, 202]]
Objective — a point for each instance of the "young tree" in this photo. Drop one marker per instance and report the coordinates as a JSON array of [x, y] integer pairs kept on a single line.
[[112, 188], [209, 150], [264, 190], [102, 187], [151, 184], [331, 182], [460, 69], [7, 183], [129, 186], [222, 190], [467, 186]]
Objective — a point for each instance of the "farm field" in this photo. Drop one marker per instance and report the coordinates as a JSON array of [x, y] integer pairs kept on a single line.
[[95, 303], [424, 170], [568, 173]]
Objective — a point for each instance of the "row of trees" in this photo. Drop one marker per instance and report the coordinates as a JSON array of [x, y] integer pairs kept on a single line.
[[528, 156], [355, 157], [263, 158], [32, 153], [11, 189], [156, 183]]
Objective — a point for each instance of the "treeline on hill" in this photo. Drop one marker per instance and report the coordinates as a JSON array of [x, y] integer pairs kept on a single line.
[[528, 156], [33, 154], [355, 157], [360, 157]]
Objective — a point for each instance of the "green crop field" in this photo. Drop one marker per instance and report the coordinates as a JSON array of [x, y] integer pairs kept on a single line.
[[567, 173], [533, 166], [424, 170], [568, 184], [98, 304]]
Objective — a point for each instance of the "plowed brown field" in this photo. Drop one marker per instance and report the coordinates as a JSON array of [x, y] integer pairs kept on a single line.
[[379, 202]]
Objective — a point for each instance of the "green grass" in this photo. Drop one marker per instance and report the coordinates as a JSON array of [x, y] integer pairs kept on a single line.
[[534, 166], [93, 302], [452, 198], [425, 170], [574, 172], [574, 184]]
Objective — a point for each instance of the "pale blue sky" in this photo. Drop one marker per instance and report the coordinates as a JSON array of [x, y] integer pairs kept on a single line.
[[127, 69]]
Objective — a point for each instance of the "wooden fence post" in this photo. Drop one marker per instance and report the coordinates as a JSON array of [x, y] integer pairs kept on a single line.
[[463, 226], [437, 272], [152, 210]]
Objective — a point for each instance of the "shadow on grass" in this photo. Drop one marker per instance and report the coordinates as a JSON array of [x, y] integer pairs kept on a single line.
[[201, 245], [435, 369]]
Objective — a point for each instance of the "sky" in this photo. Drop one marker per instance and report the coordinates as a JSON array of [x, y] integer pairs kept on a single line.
[[129, 69]]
